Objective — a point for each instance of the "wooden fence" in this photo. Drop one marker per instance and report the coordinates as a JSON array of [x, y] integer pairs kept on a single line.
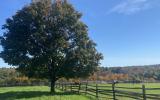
[[112, 91]]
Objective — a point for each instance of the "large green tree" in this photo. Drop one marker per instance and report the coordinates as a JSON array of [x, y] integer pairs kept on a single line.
[[48, 40]]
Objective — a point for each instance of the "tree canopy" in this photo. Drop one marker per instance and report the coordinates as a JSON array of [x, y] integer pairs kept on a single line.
[[49, 40]]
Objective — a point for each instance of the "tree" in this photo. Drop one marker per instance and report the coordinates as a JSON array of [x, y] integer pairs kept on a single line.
[[48, 40]]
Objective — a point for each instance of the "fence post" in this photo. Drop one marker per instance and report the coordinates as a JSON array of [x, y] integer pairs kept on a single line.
[[59, 85], [79, 88], [71, 87], [144, 92], [86, 88], [113, 90], [62, 86], [65, 87], [55, 85], [96, 90]]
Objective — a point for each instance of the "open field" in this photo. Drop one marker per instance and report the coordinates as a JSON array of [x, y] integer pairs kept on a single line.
[[36, 93], [122, 91], [42, 92]]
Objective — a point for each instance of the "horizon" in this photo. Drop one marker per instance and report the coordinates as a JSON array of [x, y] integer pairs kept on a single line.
[[99, 66], [126, 31]]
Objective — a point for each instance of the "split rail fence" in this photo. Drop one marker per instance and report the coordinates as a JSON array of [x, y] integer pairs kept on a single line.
[[111, 91]]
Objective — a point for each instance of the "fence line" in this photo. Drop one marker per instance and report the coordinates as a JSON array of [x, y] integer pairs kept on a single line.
[[111, 91]]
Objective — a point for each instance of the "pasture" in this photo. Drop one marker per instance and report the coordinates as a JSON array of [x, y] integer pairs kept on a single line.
[[42, 92], [120, 91], [36, 93]]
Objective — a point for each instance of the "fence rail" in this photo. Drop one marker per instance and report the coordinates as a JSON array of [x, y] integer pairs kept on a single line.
[[111, 91]]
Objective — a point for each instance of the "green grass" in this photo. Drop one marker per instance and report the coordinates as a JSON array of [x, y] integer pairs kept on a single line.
[[147, 85], [42, 92], [36, 93]]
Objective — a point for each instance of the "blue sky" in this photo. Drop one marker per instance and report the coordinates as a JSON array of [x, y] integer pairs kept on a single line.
[[127, 32]]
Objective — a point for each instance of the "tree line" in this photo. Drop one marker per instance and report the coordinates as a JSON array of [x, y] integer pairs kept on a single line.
[[146, 73], [10, 76], [149, 73]]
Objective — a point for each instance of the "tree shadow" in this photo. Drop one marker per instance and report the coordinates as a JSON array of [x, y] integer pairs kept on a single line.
[[29, 94]]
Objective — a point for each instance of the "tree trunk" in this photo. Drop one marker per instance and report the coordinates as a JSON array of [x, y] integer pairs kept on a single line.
[[52, 89], [52, 77]]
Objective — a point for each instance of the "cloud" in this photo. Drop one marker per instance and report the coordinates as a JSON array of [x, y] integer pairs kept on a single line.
[[129, 7]]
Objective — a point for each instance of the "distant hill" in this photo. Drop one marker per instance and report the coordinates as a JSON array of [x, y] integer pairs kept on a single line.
[[155, 65], [140, 73], [147, 73]]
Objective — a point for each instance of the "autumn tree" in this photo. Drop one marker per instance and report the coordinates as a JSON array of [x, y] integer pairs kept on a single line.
[[49, 40]]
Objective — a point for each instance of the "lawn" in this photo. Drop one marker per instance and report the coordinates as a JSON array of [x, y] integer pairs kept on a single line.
[[151, 88], [36, 93], [42, 93]]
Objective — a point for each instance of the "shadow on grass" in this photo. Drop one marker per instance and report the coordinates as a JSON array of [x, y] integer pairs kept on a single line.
[[29, 94]]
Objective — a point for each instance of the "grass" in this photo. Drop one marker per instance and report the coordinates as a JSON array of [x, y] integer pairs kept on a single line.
[[147, 85], [42, 92], [36, 93]]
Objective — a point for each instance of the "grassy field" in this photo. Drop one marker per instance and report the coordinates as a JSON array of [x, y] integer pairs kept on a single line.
[[42, 93], [36, 93], [148, 87], [136, 88]]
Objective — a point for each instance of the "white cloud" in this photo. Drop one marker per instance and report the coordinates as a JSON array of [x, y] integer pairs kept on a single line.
[[131, 6]]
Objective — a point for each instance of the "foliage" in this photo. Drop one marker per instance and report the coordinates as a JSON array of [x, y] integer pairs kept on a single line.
[[9, 76], [48, 40], [149, 73]]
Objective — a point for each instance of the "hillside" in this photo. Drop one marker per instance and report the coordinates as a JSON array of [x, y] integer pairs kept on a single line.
[[147, 73]]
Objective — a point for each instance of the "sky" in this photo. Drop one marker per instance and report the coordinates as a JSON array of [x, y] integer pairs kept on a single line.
[[127, 32]]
